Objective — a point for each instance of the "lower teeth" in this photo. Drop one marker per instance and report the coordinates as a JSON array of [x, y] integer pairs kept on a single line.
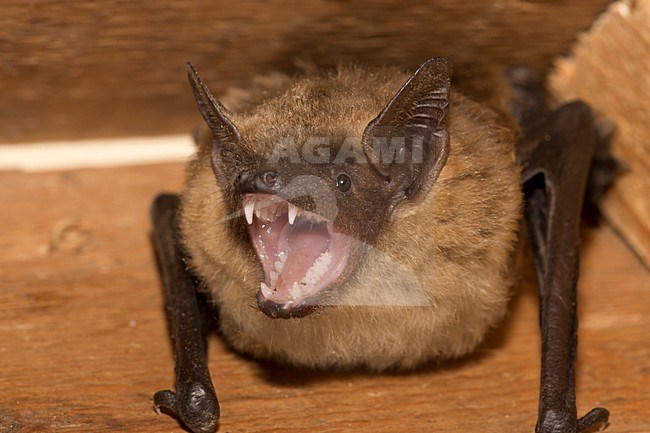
[[266, 291], [317, 269], [313, 275], [295, 291]]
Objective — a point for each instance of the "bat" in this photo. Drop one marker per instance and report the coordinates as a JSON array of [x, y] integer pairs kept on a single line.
[[369, 218]]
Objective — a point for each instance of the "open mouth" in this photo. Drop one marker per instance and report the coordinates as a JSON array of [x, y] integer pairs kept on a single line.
[[300, 252]]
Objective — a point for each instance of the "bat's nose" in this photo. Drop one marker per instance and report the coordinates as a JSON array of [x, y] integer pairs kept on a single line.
[[265, 182]]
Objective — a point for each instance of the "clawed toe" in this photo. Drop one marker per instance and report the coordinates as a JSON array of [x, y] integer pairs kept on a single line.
[[195, 406]]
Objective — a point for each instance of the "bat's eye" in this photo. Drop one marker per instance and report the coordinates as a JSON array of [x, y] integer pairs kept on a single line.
[[343, 182], [270, 177]]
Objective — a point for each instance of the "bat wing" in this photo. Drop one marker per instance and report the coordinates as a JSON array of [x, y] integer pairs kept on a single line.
[[195, 401], [556, 155]]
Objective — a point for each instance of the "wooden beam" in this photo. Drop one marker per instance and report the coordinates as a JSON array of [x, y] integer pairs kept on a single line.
[[76, 70]]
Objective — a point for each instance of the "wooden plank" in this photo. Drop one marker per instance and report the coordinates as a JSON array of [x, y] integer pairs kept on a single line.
[[83, 342], [76, 70], [112, 152], [610, 69]]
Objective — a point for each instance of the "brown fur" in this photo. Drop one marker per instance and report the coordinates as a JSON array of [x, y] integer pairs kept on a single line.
[[438, 275]]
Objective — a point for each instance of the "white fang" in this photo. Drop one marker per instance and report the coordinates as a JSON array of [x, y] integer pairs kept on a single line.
[[248, 210], [293, 211]]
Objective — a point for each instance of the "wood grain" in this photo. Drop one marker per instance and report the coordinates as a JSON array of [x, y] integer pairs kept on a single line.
[[83, 341], [609, 68], [96, 69]]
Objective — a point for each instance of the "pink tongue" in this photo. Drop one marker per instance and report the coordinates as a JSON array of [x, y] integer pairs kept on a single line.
[[304, 247]]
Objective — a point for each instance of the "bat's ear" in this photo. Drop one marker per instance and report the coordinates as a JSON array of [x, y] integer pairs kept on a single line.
[[212, 111], [408, 142]]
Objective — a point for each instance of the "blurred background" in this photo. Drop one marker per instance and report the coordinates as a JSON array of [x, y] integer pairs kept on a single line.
[[88, 69]]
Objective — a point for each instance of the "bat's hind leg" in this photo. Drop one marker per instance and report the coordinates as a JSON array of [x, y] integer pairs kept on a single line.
[[194, 403], [556, 153]]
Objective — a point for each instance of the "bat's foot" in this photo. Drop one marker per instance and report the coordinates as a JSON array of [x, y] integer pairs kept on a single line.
[[595, 420], [554, 422], [194, 405]]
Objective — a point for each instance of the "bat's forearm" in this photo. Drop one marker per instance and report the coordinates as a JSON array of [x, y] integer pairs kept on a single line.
[[194, 402], [555, 174]]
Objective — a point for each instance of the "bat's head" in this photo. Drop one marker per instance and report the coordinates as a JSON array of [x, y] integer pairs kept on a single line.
[[312, 183]]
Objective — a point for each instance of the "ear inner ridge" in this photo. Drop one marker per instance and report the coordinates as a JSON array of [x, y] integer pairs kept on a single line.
[[414, 121]]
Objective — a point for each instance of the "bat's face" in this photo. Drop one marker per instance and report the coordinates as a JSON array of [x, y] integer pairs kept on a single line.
[[368, 210], [308, 224], [313, 194]]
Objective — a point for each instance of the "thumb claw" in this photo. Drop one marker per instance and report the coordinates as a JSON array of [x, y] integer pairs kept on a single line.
[[165, 399], [593, 418], [194, 405]]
